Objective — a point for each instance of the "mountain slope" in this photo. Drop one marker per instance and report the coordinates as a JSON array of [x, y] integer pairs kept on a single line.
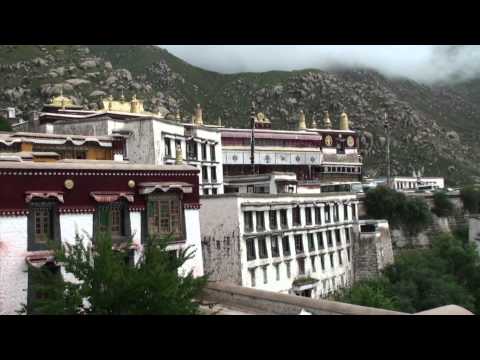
[[434, 128]]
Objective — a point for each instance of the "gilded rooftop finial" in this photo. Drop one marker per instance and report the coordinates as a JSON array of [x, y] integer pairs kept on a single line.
[[344, 121], [326, 120], [198, 115], [302, 124]]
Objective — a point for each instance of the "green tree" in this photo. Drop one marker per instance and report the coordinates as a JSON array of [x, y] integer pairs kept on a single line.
[[4, 125], [470, 196], [442, 206], [107, 283], [415, 215]]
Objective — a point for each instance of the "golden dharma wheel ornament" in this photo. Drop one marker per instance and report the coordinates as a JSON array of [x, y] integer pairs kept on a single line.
[[69, 184], [328, 140], [131, 184], [350, 141]]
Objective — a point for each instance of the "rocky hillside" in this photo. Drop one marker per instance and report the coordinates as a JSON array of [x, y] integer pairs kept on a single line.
[[434, 128]]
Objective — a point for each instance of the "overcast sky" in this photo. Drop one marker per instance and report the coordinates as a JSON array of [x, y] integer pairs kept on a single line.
[[424, 63]]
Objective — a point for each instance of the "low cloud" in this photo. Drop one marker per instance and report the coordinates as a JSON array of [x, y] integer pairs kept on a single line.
[[423, 63]]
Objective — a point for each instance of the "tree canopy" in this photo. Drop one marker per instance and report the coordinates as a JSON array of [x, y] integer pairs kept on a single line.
[[106, 282]]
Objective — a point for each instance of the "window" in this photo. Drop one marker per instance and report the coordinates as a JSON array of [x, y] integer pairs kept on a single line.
[[43, 225], [354, 212], [250, 189], [168, 149], [332, 265], [283, 219], [318, 220], [322, 261], [274, 246], [320, 240], [348, 254], [311, 242], [327, 213], [301, 266], [286, 246], [214, 191], [335, 213], [212, 153], [206, 191], [329, 238], [298, 244], [262, 248], [252, 277], [213, 170], [251, 249], [345, 212], [205, 173], [338, 239], [347, 235], [340, 262], [333, 283], [272, 215], [191, 150], [218, 245], [277, 271], [204, 151], [165, 216], [260, 221], [248, 221], [296, 216], [308, 216], [265, 277], [312, 259], [287, 264]]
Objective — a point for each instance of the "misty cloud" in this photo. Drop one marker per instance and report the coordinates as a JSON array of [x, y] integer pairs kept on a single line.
[[423, 63]]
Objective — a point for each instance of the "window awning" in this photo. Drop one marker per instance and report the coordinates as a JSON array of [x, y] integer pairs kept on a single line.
[[39, 259], [150, 187], [30, 195], [111, 196]]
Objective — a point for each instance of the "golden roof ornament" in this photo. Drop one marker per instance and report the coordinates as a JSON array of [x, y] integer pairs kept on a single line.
[[134, 105], [177, 116], [326, 121], [61, 101], [178, 155], [314, 123], [198, 115], [344, 121], [302, 124]]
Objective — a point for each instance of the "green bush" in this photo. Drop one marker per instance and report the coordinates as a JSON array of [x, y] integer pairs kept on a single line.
[[442, 206], [411, 214], [470, 196], [4, 125]]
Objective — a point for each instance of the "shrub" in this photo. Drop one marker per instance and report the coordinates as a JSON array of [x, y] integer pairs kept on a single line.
[[442, 206], [470, 196]]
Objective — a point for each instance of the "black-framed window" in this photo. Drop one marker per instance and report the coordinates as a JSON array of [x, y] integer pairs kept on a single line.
[[113, 219], [43, 224], [308, 216], [329, 238], [296, 220], [298, 244], [322, 261], [348, 254], [318, 219], [286, 246], [214, 191], [260, 221], [345, 212], [262, 248], [205, 173], [301, 266], [311, 242], [327, 213], [192, 150], [340, 262], [277, 271], [354, 212], [165, 216], [248, 221], [347, 235], [272, 215], [274, 246], [213, 170], [252, 277], [338, 238], [212, 153], [204, 151], [332, 263], [168, 148], [288, 270], [312, 260], [321, 246], [265, 274], [251, 255], [283, 218], [335, 212]]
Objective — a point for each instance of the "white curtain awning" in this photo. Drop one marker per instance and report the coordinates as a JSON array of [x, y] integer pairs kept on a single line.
[[39, 259], [150, 187], [111, 196], [30, 195]]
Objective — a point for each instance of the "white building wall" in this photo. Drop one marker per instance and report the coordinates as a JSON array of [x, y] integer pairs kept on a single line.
[[192, 227], [13, 275]]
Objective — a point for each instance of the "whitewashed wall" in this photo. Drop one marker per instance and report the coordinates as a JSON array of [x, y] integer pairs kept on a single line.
[[13, 275]]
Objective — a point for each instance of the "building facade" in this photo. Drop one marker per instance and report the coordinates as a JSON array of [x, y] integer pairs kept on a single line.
[[56, 200], [288, 243]]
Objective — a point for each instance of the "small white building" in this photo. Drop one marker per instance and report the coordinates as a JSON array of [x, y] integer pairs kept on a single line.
[[411, 183], [288, 243]]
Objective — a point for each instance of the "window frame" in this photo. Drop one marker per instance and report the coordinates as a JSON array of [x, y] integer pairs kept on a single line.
[[296, 215], [274, 249], [286, 249], [262, 247], [298, 240], [54, 224], [250, 246], [272, 224]]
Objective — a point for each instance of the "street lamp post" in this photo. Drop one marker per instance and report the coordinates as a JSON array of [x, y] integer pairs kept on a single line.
[[387, 132], [252, 141]]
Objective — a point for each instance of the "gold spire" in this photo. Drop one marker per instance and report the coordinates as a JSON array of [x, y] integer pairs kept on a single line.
[[61, 101], [326, 121], [134, 104], [302, 125], [178, 155], [198, 115], [314, 123], [344, 121]]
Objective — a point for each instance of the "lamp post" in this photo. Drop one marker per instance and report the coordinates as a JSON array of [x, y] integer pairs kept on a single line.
[[252, 140], [386, 125]]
